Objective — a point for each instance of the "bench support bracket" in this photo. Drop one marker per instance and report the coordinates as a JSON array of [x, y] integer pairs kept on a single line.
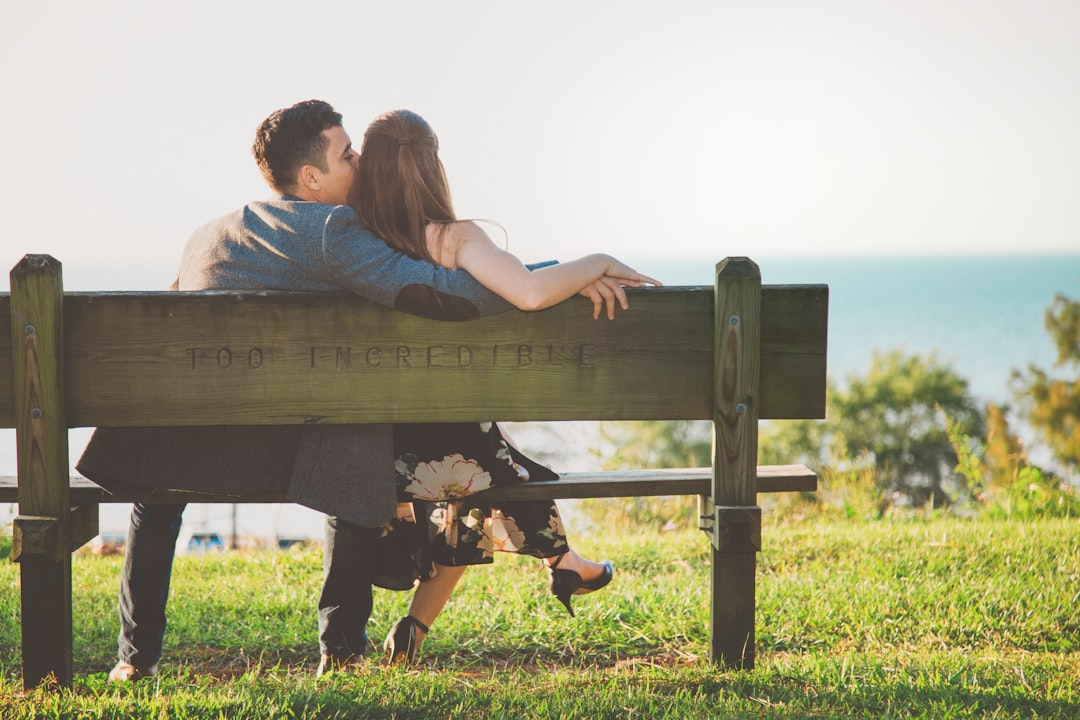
[[44, 538], [737, 529]]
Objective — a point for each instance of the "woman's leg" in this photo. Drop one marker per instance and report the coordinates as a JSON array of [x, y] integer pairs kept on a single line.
[[408, 633], [431, 595]]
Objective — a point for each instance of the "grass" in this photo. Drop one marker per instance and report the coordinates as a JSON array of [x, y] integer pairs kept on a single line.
[[940, 618]]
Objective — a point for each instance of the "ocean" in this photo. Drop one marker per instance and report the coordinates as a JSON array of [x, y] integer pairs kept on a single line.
[[982, 315]]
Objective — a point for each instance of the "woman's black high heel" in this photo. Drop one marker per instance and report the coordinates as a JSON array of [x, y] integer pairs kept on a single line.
[[565, 583], [401, 644]]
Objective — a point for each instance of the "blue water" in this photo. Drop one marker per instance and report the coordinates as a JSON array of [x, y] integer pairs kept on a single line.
[[982, 315]]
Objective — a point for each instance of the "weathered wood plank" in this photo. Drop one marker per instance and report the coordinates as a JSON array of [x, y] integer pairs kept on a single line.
[[794, 349], [793, 355], [37, 342], [736, 532], [276, 358], [608, 483], [36, 333], [736, 380]]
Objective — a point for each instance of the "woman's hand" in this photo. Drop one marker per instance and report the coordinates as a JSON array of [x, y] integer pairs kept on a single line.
[[628, 275], [608, 290], [610, 287]]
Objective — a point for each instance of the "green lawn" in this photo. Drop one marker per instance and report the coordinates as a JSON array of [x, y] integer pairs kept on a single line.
[[945, 618]]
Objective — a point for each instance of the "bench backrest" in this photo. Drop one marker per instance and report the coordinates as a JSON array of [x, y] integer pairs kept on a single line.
[[218, 358]]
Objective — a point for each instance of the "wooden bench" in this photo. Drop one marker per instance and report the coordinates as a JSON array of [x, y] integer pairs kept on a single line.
[[734, 353]]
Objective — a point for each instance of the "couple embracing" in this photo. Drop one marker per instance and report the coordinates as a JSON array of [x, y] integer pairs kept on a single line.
[[378, 223]]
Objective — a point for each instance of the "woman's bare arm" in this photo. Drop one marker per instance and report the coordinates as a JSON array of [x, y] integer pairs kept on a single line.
[[504, 274]]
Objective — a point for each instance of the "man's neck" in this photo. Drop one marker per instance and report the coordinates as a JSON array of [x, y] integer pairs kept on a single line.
[[299, 193]]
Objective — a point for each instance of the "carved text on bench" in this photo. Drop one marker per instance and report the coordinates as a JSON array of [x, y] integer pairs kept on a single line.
[[347, 357]]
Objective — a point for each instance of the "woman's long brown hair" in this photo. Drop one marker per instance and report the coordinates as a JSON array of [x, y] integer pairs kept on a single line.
[[402, 184]]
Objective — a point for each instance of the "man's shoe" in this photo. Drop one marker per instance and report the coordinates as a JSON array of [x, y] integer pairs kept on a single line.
[[126, 672]]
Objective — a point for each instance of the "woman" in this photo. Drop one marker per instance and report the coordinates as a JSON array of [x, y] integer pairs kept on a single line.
[[403, 196]]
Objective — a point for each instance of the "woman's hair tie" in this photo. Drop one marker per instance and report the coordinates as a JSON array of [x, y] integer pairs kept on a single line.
[[404, 141]]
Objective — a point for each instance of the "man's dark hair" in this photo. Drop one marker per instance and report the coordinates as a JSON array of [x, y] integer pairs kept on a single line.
[[292, 137]]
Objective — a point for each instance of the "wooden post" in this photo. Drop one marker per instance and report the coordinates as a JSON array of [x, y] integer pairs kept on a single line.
[[41, 539], [736, 534]]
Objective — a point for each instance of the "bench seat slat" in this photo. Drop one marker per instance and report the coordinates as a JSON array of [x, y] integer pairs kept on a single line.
[[611, 483]]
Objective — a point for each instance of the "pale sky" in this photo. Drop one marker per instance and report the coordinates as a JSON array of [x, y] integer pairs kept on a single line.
[[644, 129]]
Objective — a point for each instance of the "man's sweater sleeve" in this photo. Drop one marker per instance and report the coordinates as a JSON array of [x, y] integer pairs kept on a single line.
[[362, 263]]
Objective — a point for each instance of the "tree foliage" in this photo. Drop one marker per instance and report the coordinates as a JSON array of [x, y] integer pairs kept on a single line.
[[913, 424], [893, 419], [1003, 482], [657, 443], [1003, 453], [1052, 404]]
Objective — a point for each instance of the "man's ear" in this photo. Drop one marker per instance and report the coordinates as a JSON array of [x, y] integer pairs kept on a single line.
[[309, 178]]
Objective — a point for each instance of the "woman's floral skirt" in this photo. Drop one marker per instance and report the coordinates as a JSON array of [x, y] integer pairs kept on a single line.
[[443, 467]]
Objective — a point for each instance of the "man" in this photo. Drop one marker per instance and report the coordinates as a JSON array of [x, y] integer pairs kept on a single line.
[[305, 239]]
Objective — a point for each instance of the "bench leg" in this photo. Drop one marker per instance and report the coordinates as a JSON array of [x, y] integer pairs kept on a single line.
[[42, 538], [736, 531], [736, 540], [731, 617], [46, 620]]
